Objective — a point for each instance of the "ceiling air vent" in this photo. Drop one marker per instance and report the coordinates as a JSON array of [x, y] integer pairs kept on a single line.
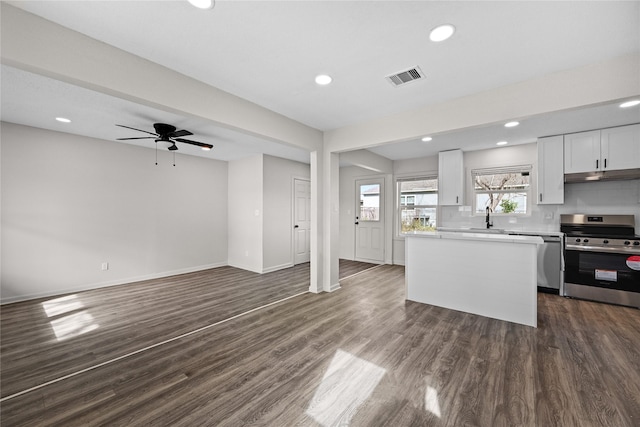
[[407, 76]]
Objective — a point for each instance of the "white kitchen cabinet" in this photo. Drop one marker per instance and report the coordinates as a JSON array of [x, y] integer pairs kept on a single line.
[[602, 150], [551, 170], [620, 147], [582, 152], [450, 177]]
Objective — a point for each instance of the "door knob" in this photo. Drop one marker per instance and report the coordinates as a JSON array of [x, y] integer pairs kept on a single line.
[[357, 223], [296, 226]]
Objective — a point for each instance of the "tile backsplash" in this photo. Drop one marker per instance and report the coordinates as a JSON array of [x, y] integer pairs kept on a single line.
[[600, 197]]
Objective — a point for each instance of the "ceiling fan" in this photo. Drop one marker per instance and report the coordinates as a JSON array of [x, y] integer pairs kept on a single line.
[[167, 133]]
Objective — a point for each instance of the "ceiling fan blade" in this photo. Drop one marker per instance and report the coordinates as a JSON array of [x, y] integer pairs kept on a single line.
[[199, 144], [180, 133], [142, 137], [139, 130], [173, 148]]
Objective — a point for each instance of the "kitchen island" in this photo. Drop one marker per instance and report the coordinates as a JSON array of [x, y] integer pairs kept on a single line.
[[492, 275]]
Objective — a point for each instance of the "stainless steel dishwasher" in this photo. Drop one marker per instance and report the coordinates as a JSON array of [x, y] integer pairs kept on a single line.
[[550, 262]]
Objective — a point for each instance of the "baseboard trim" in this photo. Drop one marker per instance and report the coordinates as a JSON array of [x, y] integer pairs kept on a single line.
[[117, 282], [244, 267], [277, 267]]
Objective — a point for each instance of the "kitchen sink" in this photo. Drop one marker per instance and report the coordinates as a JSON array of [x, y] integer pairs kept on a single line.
[[487, 230], [475, 230]]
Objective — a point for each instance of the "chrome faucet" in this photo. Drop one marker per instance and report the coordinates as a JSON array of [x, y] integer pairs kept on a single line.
[[488, 219]]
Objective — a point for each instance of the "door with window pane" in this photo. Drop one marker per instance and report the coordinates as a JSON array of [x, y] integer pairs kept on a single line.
[[370, 221]]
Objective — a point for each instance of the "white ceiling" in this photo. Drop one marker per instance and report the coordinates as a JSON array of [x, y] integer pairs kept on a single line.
[[270, 51]]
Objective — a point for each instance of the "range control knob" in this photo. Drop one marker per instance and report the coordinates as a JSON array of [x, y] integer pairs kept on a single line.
[[586, 240], [605, 241], [626, 242], [636, 243], [577, 240]]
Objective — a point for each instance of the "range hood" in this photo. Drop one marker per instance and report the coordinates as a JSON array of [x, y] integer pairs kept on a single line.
[[603, 175]]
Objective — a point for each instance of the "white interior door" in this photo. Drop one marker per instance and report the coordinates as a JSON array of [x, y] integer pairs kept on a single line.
[[301, 220], [370, 220]]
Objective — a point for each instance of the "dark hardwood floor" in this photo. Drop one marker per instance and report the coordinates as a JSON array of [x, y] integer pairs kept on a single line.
[[361, 356], [349, 268], [127, 318], [131, 317]]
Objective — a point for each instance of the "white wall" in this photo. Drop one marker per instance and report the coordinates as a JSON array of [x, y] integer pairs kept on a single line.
[[278, 210], [260, 212], [246, 213], [348, 175], [70, 203]]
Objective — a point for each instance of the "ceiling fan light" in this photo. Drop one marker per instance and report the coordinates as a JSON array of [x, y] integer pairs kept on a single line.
[[206, 148]]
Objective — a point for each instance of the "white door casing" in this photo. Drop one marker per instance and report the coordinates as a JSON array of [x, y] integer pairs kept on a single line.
[[370, 220], [301, 220]]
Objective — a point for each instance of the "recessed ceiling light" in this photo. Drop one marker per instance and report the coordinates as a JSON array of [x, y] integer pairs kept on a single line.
[[323, 79], [427, 139], [502, 143], [442, 32], [63, 120], [511, 124], [630, 103], [202, 4]]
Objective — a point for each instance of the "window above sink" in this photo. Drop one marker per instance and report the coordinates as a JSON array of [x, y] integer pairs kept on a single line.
[[505, 191]]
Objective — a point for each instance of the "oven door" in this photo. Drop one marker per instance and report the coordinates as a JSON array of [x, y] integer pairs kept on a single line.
[[603, 276]]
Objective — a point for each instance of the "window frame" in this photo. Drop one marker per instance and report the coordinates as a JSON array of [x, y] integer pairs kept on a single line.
[[502, 170], [361, 217], [414, 205]]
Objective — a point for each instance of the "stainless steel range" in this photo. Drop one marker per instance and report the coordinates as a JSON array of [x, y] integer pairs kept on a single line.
[[602, 258]]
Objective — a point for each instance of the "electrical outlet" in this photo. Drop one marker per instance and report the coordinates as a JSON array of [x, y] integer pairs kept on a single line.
[[105, 266]]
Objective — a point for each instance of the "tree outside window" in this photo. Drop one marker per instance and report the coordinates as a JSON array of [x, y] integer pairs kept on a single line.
[[503, 191]]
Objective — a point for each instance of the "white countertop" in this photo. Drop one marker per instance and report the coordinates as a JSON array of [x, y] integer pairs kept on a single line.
[[487, 237], [528, 232]]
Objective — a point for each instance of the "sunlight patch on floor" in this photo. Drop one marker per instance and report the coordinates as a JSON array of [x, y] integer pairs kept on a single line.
[[347, 384], [431, 403], [69, 322], [58, 306]]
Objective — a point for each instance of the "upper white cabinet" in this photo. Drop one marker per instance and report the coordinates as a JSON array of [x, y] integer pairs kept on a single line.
[[602, 150], [620, 147], [550, 170], [582, 152], [450, 178]]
